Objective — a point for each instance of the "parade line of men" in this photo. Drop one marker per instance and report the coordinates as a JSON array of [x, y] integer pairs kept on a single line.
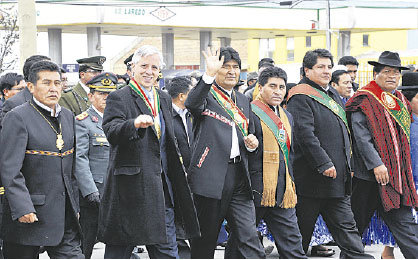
[[137, 165]]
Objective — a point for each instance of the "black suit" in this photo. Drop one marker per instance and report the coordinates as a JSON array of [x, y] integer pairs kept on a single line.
[[144, 175], [184, 139], [17, 100], [282, 223], [221, 188], [322, 141], [39, 183]]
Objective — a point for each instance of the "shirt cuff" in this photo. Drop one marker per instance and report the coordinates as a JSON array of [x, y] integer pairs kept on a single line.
[[325, 167], [207, 79], [250, 149]]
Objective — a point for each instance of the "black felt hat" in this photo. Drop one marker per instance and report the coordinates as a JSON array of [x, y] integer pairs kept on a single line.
[[388, 58]]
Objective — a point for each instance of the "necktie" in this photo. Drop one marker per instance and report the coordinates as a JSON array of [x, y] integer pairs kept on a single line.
[[189, 127]]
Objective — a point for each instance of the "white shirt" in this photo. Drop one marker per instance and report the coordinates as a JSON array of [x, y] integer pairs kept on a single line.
[[97, 111], [182, 113], [235, 145], [87, 89], [57, 108], [150, 96]]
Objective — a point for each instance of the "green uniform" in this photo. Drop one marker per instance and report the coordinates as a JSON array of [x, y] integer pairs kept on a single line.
[[75, 100]]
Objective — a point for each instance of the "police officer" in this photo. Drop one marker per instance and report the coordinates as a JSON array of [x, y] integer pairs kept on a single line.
[[92, 156], [76, 99]]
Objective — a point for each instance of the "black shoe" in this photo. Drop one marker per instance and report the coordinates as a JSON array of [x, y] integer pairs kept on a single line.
[[322, 251]]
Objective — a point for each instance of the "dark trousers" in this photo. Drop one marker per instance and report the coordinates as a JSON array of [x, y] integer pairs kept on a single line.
[[162, 251], [238, 209], [89, 218], [282, 224], [339, 218], [366, 200], [68, 248]]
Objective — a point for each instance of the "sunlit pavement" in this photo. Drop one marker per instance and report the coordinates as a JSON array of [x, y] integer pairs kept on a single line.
[[374, 250]]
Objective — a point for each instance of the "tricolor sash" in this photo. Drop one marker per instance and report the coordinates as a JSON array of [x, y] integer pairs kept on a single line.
[[280, 128], [275, 125], [153, 108], [396, 107], [231, 109], [322, 98]]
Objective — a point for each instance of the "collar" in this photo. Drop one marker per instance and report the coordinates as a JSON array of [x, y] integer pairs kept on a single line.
[[229, 92], [57, 108], [179, 110], [85, 88], [148, 93], [313, 84], [97, 111]]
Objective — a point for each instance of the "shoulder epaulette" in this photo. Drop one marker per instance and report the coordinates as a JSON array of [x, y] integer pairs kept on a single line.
[[68, 90], [82, 116]]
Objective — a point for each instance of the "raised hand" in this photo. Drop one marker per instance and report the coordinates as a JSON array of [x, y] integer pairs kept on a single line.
[[213, 64]]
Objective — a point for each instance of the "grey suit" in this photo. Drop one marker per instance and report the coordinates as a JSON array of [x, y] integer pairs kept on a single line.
[[39, 178], [92, 158], [366, 199]]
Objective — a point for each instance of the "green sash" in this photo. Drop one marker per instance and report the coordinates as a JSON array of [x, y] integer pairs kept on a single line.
[[276, 126], [322, 98], [232, 109], [396, 107]]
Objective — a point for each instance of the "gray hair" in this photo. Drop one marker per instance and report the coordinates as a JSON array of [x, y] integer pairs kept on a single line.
[[147, 50]]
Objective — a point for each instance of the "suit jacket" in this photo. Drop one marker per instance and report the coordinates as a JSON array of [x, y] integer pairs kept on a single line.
[[92, 155], [255, 164], [183, 138], [17, 100], [213, 141], [75, 100], [38, 183], [321, 141], [132, 211]]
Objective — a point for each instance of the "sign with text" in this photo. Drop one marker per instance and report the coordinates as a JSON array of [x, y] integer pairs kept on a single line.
[[71, 67]]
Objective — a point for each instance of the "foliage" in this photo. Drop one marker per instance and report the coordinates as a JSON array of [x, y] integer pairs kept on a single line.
[[9, 35]]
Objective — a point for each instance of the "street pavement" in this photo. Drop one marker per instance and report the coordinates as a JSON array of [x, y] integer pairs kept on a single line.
[[374, 250]]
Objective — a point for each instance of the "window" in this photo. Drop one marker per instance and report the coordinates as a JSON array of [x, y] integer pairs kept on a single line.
[[308, 41], [290, 46], [365, 40], [267, 47]]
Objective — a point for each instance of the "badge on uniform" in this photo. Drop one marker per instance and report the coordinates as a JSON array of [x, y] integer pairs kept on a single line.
[[282, 135]]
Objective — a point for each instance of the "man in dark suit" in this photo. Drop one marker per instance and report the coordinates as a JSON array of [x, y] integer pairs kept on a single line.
[[179, 89], [146, 186], [341, 82], [92, 157], [41, 206], [352, 67], [271, 164], [322, 156], [24, 95], [218, 173]]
